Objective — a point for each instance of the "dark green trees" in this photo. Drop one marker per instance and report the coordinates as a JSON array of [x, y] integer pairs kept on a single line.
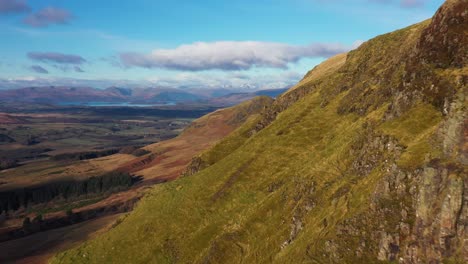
[[70, 189]]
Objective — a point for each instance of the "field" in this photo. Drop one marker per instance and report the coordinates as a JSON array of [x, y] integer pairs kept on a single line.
[[54, 142], [28, 136]]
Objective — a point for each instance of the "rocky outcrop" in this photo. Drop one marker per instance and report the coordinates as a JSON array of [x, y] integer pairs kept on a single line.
[[279, 105], [437, 232], [417, 216], [444, 41], [414, 217], [196, 164]]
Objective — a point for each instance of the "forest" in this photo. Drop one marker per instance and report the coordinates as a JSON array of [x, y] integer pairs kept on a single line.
[[67, 190], [85, 155]]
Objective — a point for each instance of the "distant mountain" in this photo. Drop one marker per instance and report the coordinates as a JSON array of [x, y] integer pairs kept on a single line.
[[236, 98], [271, 92], [80, 95], [55, 94]]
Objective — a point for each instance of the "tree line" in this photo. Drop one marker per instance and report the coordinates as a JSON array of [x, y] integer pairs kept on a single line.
[[7, 163], [67, 189], [85, 155]]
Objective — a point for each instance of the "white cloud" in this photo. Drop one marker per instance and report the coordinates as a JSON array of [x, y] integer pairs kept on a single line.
[[230, 55], [233, 80], [186, 80]]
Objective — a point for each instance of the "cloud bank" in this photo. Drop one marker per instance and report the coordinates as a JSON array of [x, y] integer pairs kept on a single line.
[[230, 55], [56, 57], [13, 6], [186, 80], [48, 16], [228, 80]]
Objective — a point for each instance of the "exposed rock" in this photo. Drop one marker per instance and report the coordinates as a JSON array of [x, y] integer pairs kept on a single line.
[[194, 166], [296, 227], [444, 41], [388, 247], [453, 130]]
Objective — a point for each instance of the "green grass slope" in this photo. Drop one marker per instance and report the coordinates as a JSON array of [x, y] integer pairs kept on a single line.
[[366, 164]]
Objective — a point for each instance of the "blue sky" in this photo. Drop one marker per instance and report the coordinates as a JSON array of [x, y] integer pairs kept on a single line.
[[199, 44]]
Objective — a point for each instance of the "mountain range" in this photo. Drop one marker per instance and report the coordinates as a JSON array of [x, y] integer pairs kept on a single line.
[[83, 95]]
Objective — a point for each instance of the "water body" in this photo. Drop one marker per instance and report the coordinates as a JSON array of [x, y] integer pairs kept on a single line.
[[120, 104]]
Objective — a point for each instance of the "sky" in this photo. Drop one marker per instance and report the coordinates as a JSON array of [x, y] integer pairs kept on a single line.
[[240, 44]]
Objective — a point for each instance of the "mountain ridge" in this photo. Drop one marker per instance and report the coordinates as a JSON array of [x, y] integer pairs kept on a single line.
[[366, 163], [83, 95]]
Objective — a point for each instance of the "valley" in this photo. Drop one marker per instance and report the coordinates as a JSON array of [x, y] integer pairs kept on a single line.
[[75, 184], [48, 133]]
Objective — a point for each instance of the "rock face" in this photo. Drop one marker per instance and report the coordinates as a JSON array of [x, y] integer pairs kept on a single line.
[[444, 41], [364, 161], [427, 228]]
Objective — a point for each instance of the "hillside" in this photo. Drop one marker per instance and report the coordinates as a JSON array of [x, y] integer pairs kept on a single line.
[[364, 161]]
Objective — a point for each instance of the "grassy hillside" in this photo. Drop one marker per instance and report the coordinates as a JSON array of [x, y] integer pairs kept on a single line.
[[363, 162]]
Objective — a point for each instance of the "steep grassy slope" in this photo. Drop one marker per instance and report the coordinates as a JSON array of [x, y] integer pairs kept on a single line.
[[363, 163]]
